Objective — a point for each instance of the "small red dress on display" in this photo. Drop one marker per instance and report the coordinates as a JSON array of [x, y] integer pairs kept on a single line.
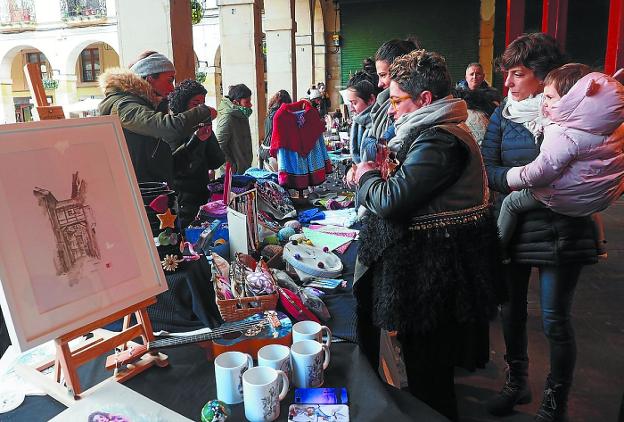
[[297, 143]]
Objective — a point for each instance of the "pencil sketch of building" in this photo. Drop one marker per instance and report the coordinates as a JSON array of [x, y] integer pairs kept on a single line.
[[73, 225]]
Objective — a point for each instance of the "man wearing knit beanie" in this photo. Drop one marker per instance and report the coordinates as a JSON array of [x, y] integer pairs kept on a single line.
[[158, 70], [136, 95]]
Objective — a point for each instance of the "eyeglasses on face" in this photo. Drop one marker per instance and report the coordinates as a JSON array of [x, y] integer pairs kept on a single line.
[[395, 101]]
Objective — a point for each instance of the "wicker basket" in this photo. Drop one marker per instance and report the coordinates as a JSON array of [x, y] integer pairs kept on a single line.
[[241, 308]]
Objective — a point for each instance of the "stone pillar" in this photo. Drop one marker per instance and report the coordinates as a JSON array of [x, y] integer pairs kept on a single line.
[[182, 39], [305, 64], [241, 57], [304, 47], [66, 93], [319, 43], [132, 15], [319, 62], [486, 38], [169, 32], [7, 108], [280, 27]]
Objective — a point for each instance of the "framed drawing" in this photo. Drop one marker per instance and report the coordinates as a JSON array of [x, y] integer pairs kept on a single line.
[[76, 245]]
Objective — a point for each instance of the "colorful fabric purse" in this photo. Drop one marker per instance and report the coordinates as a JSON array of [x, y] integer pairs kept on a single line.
[[275, 200], [309, 300], [293, 306]]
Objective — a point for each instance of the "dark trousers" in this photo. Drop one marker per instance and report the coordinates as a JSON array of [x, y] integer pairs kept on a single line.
[[557, 285], [428, 361]]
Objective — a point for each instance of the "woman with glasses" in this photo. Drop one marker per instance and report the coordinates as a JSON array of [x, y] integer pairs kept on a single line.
[[556, 244], [426, 260]]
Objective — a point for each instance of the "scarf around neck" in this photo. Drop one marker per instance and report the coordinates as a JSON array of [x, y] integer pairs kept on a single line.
[[527, 112], [444, 110]]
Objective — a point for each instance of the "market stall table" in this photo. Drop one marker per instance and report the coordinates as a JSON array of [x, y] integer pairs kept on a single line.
[[188, 383]]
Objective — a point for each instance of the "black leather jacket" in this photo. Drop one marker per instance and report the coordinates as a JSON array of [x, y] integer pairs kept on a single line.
[[428, 180]]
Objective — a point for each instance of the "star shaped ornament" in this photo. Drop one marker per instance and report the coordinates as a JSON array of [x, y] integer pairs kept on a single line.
[[167, 219]]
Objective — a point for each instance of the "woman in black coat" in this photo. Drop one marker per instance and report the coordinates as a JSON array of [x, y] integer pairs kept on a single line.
[[559, 246], [427, 253]]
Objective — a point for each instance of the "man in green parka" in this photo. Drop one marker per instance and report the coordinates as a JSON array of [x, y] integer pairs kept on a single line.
[[136, 96], [233, 131]]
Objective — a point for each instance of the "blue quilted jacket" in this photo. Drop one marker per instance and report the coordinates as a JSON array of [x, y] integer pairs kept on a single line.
[[542, 237]]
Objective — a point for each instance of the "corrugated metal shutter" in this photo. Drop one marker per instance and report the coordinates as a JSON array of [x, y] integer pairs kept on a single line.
[[449, 27]]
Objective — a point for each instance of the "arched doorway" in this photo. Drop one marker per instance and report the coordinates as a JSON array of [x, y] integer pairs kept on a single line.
[[15, 104]]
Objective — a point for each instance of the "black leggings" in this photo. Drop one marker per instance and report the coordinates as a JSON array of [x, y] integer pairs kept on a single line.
[[429, 361]]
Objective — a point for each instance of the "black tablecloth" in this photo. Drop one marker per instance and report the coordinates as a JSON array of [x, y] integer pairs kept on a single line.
[[188, 383]]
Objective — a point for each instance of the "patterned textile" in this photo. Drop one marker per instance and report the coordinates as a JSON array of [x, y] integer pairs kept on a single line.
[[274, 200], [296, 171]]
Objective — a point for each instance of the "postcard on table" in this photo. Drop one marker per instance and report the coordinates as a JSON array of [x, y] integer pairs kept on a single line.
[[114, 402]]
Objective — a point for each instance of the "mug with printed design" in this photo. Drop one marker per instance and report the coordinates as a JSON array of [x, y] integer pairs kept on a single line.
[[309, 361], [262, 393], [229, 370]]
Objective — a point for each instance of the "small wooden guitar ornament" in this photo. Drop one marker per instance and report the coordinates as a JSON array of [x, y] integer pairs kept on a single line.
[[248, 336]]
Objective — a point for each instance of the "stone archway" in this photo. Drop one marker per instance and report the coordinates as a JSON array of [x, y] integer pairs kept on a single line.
[[75, 82], [70, 60], [12, 80]]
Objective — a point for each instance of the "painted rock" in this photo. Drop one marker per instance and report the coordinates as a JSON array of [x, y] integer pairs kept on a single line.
[[215, 411]]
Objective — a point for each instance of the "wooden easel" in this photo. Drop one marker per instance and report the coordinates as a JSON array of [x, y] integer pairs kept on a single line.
[[44, 110], [68, 360]]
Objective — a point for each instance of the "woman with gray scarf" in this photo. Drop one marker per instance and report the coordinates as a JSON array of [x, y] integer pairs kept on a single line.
[[557, 245], [425, 265]]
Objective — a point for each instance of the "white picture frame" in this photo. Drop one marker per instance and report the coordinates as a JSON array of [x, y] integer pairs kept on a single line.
[[76, 244]]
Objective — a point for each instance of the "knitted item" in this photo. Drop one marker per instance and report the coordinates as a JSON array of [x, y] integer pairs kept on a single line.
[[287, 134]]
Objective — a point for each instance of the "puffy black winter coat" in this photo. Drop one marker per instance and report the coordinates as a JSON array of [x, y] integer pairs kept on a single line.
[[542, 237]]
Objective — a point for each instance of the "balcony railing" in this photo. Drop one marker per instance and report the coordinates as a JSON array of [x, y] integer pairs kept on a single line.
[[13, 12], [83, 9]]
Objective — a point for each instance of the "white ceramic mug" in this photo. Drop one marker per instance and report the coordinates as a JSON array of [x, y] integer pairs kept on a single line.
[[311, 330], [229, 370], [261, 386], [276, 356], [309, 360]]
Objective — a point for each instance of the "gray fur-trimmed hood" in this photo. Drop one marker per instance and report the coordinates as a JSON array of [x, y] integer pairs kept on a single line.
[[119, 80]]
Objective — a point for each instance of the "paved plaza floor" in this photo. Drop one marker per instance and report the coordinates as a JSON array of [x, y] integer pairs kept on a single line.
[[598, 318]]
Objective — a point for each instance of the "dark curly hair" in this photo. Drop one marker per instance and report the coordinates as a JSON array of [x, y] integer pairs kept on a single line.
[[420, 71], [181, 95], [537, 51], [392, 49]]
